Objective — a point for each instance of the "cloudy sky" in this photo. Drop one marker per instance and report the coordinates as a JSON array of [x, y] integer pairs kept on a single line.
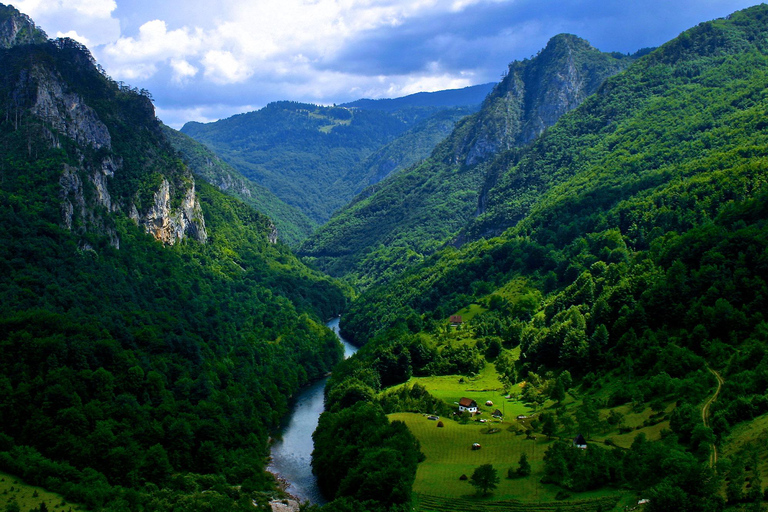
[[204, 60]]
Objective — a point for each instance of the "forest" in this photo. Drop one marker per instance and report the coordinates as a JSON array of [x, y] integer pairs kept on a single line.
[[637, 223], [130, 367], [601, 274]]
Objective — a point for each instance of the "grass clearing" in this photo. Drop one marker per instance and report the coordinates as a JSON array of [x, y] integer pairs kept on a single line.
[[470, 312], [481, 388], [449, 455], [30, 497]]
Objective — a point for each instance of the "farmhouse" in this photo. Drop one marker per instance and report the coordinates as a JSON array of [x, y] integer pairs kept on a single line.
[[455, 319], [467, 404]]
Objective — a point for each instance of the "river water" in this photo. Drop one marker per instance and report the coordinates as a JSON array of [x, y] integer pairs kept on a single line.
[[292, 452]]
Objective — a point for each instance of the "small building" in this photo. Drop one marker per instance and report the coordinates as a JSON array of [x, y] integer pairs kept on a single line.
[[468, 405], [497, 414], [522, 417], [455, 319], [579, 442]]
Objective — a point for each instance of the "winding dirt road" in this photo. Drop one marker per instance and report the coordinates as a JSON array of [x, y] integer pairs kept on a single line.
[[705, 413]]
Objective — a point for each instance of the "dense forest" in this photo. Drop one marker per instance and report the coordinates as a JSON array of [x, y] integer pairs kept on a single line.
[[637, 236], [292, 225], [312, 157], [132, 365], [397, 223], [607, 247]]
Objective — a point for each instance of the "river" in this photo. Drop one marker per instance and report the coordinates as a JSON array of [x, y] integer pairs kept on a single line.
[[292, 452]]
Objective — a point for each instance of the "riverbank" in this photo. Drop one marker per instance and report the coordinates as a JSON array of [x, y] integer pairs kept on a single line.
[[291, 450]]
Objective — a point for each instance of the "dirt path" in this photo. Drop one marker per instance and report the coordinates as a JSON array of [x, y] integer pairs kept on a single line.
[[705, 413]]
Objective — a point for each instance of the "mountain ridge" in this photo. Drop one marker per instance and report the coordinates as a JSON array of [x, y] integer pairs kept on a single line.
[[415, 212]]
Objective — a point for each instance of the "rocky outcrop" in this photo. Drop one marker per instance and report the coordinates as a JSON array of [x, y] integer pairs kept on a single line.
[[171, 225], [17, 28], [77, 214], [534, 94], [65, 111]]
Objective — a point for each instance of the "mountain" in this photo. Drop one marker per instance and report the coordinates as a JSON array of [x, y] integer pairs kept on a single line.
[[466, 97], [292, 225], [410, 148], [414, 213], [300, 152], [18, 29], [624, 303], [152, 329], [318, 158]]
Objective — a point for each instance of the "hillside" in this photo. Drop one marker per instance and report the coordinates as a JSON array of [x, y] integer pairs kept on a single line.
[[305, 154], [624, 302], [292, 226], [417, 211], [152, 331], [409, 149]]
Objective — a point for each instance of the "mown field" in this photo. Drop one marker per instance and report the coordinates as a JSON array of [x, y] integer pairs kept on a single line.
[[449, 455], [29, 497]]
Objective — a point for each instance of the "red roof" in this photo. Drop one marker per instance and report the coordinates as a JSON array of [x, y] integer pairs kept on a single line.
[[467, 402]]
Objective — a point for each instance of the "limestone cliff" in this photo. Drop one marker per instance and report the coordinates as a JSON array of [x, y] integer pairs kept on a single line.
[[57, 91], [533, 95], [17, 28], [169, 224]]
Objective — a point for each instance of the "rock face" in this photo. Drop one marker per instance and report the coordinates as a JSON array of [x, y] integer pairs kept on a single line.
[[17, 29], [534, 94], [87, 190], [168, 224], [66, 112]]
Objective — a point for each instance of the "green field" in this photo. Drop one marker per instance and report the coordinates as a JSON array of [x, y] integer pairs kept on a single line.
[[449, 455], [28, 497], [481, 388]]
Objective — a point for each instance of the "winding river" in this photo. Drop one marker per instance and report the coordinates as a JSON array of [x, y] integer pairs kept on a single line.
[[292, 452]]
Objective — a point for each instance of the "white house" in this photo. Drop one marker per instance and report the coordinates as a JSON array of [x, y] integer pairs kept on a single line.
[[469, 405]]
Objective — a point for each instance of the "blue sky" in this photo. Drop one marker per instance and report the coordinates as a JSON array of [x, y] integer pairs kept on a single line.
[[204, 60]]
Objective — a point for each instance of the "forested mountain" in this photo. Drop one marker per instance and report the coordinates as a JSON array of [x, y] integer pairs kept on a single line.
[[307, 155], [292, 225], [410, 148], [417, 211], [636, 251], [152, 331], [466, 97]]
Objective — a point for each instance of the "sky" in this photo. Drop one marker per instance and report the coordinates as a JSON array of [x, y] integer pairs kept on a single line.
[[204, 60]]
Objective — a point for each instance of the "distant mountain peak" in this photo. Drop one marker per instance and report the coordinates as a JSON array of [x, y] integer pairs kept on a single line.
[[17, 28]]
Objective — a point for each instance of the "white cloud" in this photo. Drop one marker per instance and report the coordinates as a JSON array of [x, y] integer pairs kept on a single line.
[[222, 67], [155, 42], [182, 70]]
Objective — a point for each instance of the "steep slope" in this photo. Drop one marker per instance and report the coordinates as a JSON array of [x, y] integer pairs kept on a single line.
[[417, 211], [152, 332], [17, 29], [292, 225], [410, 148], [638, 264]]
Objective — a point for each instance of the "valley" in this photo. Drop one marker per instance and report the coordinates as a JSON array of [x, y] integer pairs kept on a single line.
[[553, 289]]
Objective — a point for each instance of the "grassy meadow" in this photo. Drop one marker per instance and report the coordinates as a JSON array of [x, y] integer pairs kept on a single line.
[[29, 497]]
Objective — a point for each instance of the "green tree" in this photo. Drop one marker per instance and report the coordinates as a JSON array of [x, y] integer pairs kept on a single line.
[[523, 466], [485, 478], [549, 425]]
